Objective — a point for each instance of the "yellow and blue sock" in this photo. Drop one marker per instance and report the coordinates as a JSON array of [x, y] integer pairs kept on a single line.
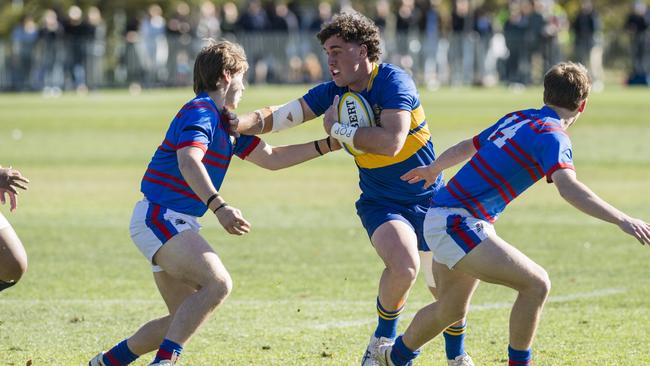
[[402, 355], [120, 355], [169, 350], [454, 341], [518, 357], [387, 321]]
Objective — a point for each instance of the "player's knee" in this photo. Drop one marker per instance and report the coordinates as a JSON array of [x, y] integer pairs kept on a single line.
[[452, 312], [219, 287], [539, 286], [405, 273], [14, 269]]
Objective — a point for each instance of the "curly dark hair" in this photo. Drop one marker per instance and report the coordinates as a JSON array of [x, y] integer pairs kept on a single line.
[[354, 27]]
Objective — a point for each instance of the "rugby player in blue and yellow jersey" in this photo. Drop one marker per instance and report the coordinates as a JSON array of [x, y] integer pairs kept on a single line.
[[392, 211], [180, 184], [504, 160]]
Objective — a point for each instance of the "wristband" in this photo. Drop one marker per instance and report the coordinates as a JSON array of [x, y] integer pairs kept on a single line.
[[344, 133], [209, 201], [329, 142], [317, 147], [220, 207]]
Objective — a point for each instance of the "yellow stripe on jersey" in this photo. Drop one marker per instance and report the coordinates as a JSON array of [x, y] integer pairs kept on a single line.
[[373, 74], [414, 142]]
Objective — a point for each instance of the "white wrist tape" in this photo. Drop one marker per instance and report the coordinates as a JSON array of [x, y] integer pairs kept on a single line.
[[344, 133], [287, 116]]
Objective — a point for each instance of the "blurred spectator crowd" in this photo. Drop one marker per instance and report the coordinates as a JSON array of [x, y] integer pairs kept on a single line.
[[440, 43]]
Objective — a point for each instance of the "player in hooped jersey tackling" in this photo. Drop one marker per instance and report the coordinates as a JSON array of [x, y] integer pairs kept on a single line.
[[504, 160], [181, 183]]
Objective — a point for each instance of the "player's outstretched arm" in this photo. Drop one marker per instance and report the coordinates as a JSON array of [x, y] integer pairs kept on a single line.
[[196, 176], [275, 118], [584, 199], [279, 157], [450, 157], [10, 181]]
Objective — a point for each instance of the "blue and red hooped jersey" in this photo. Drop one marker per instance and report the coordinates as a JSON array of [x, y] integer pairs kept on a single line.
[[197, 123], [513, 154]]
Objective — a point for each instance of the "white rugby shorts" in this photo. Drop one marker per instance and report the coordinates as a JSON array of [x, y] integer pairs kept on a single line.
[[451, 233], [153, 225], [3, 222]]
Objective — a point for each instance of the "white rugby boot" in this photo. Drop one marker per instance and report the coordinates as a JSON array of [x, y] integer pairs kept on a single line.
[[382, 356], [163, 363], [369, 358], [97, 360], [462, 360]]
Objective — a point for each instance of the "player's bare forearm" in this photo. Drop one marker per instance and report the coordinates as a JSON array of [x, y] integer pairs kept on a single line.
[[389, 138], [255, 123], [450, 157], [280, 157], [584, 199], [455, 155], [275, 118], [581, 197], [195, 174]]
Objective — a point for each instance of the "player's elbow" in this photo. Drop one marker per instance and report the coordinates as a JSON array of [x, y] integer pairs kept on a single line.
[[393, 148], [273, 166], [271, 162]]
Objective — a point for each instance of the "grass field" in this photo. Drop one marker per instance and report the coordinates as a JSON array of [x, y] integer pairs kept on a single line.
[[306, 276]]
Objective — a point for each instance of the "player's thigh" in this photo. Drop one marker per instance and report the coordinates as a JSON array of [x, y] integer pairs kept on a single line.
[[496, 261], [454, 286], [13, 258], [396, 243], [172, 290], [426, 269], [189, 258]]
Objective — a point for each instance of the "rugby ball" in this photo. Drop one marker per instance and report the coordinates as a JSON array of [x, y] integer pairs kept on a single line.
[[354, 110]]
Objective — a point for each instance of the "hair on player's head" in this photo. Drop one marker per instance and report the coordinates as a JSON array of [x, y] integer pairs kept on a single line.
[[354, 27], [566, 85], [215, 59]]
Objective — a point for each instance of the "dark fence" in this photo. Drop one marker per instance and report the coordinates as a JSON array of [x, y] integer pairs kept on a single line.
[[457, 59]]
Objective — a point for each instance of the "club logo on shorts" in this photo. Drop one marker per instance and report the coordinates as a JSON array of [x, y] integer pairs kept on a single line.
[[478, 227]]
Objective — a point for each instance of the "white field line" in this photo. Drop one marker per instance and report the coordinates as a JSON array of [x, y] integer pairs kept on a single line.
[[324, 303], [489, 306]]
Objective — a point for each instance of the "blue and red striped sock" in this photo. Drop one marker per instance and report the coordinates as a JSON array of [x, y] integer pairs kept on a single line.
[[169, 350], [387, 321], [120, 355], [519, 358]]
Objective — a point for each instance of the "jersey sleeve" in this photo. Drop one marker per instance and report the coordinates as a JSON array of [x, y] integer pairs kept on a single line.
[[398, 91], [244, 144], [320, 97], [482, 138], [554, 153], [196, 130]]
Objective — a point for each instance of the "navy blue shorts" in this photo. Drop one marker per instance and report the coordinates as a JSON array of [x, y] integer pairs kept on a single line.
[[374, 213]]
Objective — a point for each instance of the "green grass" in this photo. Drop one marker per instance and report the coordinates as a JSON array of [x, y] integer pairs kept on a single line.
[[306, 276]]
